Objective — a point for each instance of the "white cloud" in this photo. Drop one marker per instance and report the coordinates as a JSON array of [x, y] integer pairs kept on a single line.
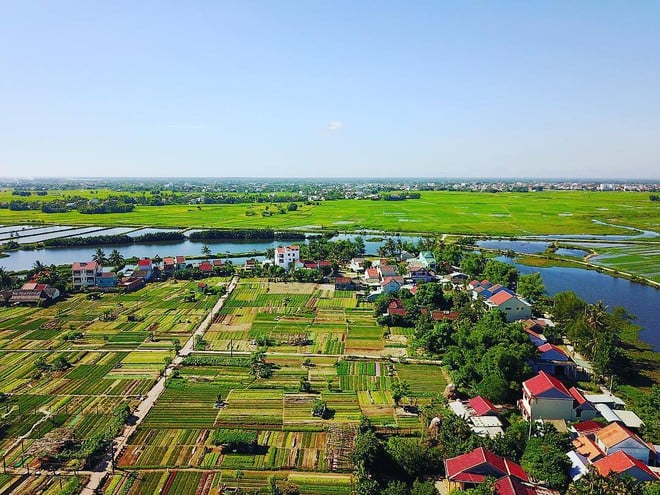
[[335, 125]]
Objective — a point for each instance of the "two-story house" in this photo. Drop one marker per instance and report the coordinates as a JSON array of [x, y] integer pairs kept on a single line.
[[84, 273]]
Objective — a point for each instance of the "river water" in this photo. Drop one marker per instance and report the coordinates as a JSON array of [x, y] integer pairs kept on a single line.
[[640, 300], [591, 286]]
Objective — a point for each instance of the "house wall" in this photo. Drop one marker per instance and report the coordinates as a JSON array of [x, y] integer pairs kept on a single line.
[[630, 447], [543, 408], [515, 310]]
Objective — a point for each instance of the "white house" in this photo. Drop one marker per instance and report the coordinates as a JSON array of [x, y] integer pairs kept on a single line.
[[545, 397], [84, 273], [615, 437], [513, 307], [287, 256]]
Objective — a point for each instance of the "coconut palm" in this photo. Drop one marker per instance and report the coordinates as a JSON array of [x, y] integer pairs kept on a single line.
[[115, 258], [100, 257], [5, 279]]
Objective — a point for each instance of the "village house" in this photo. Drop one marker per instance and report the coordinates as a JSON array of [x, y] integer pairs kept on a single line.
[[481, 414], [344, 283], [555, 361], [513, 307], [615, 437], [417, 273], [107, 280], [385, 271], [357, 265], [169, 266], [286, 256], [469, 470], [371, 276], [623, 464], [31, 293], [427, 260], [391, 284], [84, 273], [144, 269], [545, 397]]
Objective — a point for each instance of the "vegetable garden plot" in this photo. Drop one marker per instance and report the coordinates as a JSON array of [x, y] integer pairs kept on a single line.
[[363, 375], [253, 409], [425, 380], [377, 406]]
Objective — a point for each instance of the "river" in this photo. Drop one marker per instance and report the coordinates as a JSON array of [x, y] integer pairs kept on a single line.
[[640, 300]]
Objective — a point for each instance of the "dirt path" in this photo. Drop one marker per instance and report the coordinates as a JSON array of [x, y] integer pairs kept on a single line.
[[152, 396]]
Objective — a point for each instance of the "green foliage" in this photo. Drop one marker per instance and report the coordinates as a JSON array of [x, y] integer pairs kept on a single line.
[[430, 296], [413, 457], [396, 488], [593, 483], [502, 273], [367, 451], [546, 462], [423, 488], [399, 390], [490, 357], [473, 264], [531, 286], [242, 440], [648, 408]]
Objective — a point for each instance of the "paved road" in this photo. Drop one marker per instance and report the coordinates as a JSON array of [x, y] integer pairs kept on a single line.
[[152, 396]]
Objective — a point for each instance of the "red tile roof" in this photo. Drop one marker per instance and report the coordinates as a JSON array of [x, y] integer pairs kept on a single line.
[[482, 406], [465, 464], [585, 427], [342, 280], [388, 280], [588, 448], [371, 273], [180, 259], [168, 261], [500, 298], [550, 347], [144, 262], [620, 462], [543, 382], [85, 265], [511, 486], [614, 433], [577, 395], [443, 315]]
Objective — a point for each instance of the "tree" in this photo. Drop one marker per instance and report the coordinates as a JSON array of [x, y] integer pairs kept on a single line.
[[396, 488], [367, 451], [414, 457], [116, 258], [531, 286], [567, 306], [502, 273], [206, 251], [423, 488], [399, 390], [100, 257], [5, 279], [366, 486], [593, 483], [473, 264], [546, 462], [38, 266], [430, 296]]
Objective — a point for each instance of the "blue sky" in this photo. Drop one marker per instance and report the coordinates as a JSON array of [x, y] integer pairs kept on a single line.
[[322, 89]]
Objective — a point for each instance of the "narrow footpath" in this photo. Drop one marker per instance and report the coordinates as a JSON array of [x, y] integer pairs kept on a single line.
[[96, 477]]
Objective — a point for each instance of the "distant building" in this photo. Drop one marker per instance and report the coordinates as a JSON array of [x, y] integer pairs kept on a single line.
[[427, 260], [107, 279], [513, 307], [286, 256], [84, 273]]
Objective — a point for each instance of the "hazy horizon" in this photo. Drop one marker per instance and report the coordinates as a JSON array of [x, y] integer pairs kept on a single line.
[[315, 90]]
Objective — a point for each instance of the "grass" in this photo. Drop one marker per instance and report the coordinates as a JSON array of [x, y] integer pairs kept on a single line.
[[464, 213]]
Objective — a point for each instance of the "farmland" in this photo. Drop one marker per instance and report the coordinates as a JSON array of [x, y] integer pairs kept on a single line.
[[312, 334], [509, 214]]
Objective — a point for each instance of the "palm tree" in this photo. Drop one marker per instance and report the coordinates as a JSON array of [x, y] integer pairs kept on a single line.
[[115, 258], [38, 266], [206, 251], [100, 257]]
